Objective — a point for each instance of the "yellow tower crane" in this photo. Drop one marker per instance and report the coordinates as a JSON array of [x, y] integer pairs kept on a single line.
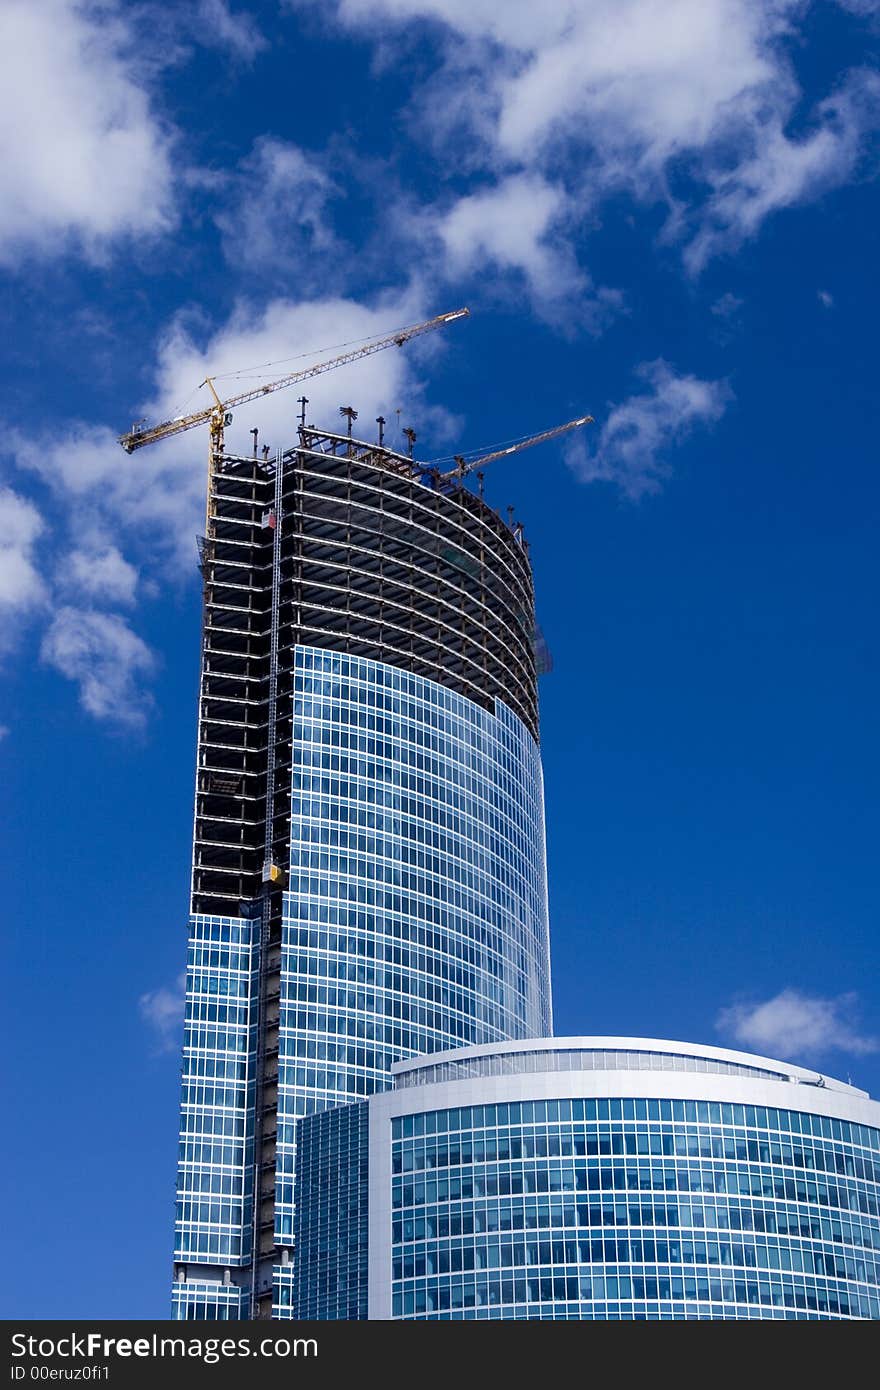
[[462, 468], [218, 415]]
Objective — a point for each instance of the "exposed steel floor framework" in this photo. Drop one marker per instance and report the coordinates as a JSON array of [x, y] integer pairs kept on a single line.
[[373, 561]]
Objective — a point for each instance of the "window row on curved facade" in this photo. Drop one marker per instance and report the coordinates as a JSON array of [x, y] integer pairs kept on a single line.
[[613, 1110], [573, 1219], [780, 1148], [630, 1296]]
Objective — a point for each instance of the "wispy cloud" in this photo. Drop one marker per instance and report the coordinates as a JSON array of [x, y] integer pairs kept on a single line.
[[634, 442], [780, 171], [106, 659], [274, 216], [825, 299], [162, 1009], [861, 7], [235, 31], [796, 1025], [727, 306], [101, 574]]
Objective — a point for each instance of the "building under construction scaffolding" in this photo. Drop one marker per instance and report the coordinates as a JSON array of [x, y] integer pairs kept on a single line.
[[369, 877], [348, 547]]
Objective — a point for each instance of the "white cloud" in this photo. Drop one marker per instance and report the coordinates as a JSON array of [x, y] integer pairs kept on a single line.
[[687, 101], [107, 660], [507, 223], [792, 1024], [4, 732], [21, 587], [82, 157], [640, 79], [633, 442], [825, 299], [101, 574], [514, 225], [274, 214], [235, 31], [163, 1009]]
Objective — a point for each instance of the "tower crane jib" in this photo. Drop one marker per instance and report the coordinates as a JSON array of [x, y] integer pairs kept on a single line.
[[218, 414], [463, 468]]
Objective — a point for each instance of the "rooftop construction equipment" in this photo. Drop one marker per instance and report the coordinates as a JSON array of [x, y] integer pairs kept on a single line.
[[219, 415]]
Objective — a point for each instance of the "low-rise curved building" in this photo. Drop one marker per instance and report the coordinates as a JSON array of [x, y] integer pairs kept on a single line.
[[592, 1179]]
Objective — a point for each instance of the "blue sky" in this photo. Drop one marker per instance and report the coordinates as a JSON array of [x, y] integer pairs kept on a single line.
[[662, 214]]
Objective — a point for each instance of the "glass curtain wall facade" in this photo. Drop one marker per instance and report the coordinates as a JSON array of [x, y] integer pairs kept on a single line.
[[415, 917], [369, 879], [649, 1190], [333, 1182]]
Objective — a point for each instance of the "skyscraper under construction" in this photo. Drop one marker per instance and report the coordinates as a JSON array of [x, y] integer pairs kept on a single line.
[[369, 886], [369, 877]]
